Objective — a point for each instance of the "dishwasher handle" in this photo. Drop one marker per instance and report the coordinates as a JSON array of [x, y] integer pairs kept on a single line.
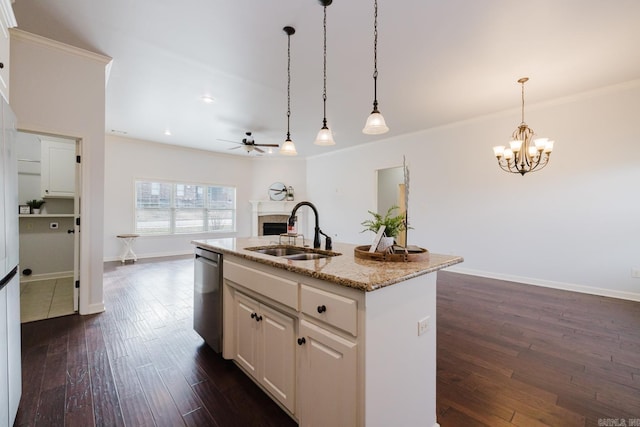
[[204, 260], [208, 255]]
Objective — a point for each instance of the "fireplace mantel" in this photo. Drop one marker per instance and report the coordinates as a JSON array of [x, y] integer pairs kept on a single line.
[[270, 207]]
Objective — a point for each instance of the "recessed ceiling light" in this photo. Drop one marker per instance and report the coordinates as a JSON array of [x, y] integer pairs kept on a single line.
[[167, 132], [207, 99]]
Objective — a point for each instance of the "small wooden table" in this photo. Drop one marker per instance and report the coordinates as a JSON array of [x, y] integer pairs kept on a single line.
[[128, 253]]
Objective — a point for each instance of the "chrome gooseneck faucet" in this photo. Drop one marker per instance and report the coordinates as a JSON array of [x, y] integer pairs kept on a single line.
[[317, 231]]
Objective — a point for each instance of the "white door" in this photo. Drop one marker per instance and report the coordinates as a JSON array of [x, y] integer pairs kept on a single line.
[[76, 228]]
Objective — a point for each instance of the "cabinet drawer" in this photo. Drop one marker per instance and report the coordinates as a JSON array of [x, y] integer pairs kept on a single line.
[[333, 309], [281, 290]]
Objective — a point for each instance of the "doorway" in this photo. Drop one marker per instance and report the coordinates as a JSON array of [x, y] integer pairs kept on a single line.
[[49, 243]]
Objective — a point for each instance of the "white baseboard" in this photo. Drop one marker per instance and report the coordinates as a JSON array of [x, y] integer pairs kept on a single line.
[[153, 255], [46, 276], [631, 296]]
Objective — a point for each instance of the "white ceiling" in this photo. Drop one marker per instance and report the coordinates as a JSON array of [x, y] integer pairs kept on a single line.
[[438, 61]]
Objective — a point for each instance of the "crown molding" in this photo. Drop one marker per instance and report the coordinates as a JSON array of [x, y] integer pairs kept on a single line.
[[34, 38]]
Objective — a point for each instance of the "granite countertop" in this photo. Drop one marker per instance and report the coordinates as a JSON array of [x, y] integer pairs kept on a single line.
[[344, 269]]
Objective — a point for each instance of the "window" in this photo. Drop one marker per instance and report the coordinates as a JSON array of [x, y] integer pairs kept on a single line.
[[173, 208]]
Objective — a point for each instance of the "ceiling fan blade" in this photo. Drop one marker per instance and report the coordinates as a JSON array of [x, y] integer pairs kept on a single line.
[[266, 145], [226, 140], [235, 148], [258, 149]]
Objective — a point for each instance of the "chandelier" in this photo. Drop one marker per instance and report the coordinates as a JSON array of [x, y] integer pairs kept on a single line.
[[524, 155]]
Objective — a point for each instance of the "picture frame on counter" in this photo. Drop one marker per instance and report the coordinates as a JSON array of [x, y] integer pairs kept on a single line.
[[24, 209]]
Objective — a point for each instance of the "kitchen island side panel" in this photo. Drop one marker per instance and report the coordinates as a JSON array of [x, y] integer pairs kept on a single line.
[[400, 364]]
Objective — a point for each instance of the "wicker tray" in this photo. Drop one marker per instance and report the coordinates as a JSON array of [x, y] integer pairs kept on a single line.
[[412, 255]]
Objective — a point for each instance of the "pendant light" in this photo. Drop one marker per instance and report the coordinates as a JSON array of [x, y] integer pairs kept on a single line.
[[288, 148], [375, 122], [325, 137]]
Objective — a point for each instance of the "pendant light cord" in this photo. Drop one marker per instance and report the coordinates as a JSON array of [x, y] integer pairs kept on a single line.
[[324, 90], [288, 84], [375, 56]]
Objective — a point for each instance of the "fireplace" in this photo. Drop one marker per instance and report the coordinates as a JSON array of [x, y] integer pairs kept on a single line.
[[273, 228], [273, 212]]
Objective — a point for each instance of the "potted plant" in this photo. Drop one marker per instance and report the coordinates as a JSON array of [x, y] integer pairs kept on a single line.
[[35, 205], [394, 225]]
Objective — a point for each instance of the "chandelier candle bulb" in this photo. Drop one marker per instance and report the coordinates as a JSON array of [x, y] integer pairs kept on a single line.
[[540, 143], [548, 148], [508, 154], [515, 146]]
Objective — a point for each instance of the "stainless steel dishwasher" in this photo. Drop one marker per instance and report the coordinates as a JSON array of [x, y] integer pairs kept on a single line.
[[207, 297]]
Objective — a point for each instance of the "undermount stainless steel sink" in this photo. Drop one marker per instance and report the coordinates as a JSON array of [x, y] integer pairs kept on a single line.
[[306, 256], [293, 252], [279, 251]]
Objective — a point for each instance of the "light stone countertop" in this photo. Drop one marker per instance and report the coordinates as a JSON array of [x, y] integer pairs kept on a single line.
[[344, 269]]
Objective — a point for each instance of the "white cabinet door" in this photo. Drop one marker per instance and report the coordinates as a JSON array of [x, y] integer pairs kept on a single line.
[[327, 378], [246, 332], [277, 355], [58, 169], [265, 347]]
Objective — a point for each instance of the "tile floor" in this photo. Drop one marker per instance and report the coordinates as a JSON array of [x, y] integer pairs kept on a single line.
[[44, 299]]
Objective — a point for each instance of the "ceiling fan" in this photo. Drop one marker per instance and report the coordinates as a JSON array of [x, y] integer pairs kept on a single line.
[[249, 144]]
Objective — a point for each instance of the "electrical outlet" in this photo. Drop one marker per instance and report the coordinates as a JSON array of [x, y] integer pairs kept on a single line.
[[423, 325], [635, 272]]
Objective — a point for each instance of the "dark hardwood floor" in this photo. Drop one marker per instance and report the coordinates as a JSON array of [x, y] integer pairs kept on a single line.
[[520, 355], [137, 364], [508, 355]]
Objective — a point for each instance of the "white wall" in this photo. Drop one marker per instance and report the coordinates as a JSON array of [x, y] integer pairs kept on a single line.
[[573, 225], [129, 159], [60, 90]]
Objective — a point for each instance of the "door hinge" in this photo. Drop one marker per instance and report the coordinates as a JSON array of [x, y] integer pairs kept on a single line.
[[77, 284], [78, 221], [77, 159]]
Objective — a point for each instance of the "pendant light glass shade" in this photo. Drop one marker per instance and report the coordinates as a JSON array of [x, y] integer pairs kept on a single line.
[[325, 137], [375, 125], [375, 122], [288, 148]]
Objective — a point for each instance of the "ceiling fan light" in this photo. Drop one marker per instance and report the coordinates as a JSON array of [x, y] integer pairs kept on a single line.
[[375, 124], [325, 137], [288, 148]]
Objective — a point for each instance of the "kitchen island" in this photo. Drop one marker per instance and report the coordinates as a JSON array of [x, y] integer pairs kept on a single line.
[[334, 341]]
